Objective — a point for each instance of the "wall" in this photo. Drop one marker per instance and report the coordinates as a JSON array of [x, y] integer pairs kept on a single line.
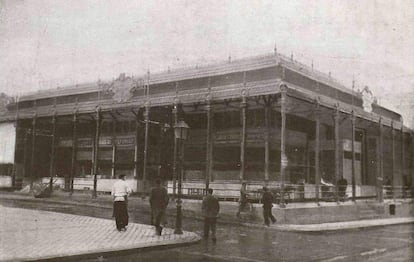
[[5, 181], [307, 214], [103, 185]]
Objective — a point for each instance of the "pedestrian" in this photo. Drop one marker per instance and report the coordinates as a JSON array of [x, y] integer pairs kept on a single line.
[[210, 209], [120, 192], [342, 185], [243, 199], [158, 202], [267, 200]]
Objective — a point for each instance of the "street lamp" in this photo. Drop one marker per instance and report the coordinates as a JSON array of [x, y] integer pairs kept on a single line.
[[180, 133]]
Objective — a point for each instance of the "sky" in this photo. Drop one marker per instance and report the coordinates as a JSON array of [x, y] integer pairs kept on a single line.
[[49, 44]]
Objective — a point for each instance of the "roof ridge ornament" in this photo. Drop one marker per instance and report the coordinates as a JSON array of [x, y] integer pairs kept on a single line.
[[121, 88], [367, 99]]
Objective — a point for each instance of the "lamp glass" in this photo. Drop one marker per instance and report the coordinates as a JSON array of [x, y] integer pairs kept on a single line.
[[181, 130]]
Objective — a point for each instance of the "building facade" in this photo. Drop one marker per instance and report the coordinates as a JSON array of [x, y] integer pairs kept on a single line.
[[264, 120]]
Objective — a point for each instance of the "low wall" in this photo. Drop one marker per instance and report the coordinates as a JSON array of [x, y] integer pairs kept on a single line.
[[327, 212], [102, 185], [5, 181], [342, 212]]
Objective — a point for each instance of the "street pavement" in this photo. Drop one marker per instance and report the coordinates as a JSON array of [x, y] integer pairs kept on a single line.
[[41, 235]]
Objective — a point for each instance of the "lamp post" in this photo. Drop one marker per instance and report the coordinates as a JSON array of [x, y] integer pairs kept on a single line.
[[162, 169], [180, 133]]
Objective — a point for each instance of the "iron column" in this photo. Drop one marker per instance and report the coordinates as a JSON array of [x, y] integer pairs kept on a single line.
[[96, 151]]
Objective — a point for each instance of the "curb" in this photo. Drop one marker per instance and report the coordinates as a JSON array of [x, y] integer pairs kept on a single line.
[[330, 227], [349, 225], [123, 252]]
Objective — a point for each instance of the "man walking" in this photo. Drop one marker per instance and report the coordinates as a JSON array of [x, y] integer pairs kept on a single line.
[[267, 200], [120, 192], [210, 209], [158, 202]]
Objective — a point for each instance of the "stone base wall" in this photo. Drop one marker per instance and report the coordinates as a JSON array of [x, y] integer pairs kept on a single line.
[[331, 212]]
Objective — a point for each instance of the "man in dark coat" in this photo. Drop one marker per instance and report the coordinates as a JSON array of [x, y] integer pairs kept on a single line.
[[267, 201], [342, 185], [210, 209], [158, 202]]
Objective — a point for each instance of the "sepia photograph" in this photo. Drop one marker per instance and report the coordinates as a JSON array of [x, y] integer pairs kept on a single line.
[[223, 131]]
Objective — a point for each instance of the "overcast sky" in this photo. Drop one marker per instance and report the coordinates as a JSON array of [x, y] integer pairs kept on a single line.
[[45, 44]]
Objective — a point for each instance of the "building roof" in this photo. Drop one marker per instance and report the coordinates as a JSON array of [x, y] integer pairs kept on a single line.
[[238, 65], [300, 77]]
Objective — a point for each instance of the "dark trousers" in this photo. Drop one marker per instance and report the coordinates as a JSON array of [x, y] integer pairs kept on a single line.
[[120, 214], [267, 213], [242, 207], [210, 224], [158, 217]]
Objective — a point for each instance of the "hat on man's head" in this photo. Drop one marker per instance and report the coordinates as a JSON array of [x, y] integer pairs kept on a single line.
[[121, 176]]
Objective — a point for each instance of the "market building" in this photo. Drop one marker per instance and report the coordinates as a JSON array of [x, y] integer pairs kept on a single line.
[[266, 120]]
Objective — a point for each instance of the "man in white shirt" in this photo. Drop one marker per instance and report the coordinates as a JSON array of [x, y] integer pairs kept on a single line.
[[120, 192]]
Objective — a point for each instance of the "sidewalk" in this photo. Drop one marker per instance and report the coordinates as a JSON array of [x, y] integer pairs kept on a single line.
[[347, 225], [40, 235]]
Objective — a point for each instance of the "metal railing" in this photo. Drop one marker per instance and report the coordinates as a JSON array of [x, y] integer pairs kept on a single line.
[[299, 193], [390, 192]]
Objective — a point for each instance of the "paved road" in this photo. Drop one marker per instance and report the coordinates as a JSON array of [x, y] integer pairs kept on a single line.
[[236, 243]]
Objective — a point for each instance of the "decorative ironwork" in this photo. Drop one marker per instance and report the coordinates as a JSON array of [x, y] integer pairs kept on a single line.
[[367, 99], [122, 88]]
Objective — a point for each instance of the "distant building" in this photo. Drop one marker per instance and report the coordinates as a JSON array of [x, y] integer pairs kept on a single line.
[[265, 119]]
